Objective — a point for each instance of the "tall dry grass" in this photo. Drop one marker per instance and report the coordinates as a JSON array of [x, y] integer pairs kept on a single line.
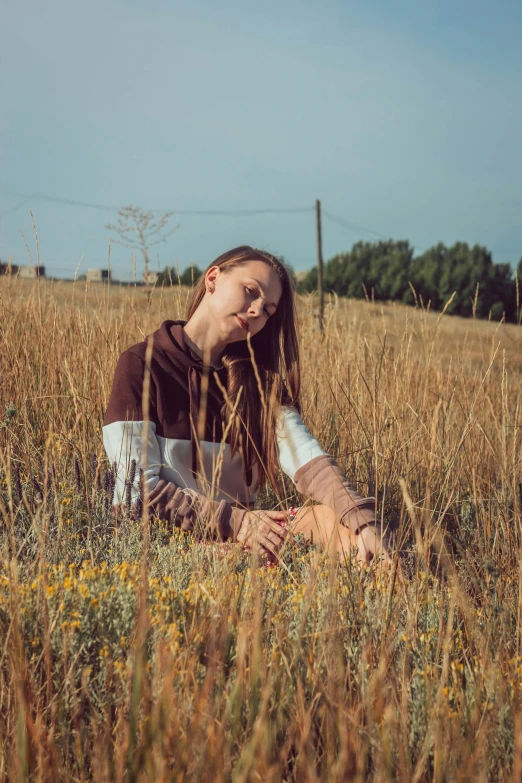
[[205, 666]]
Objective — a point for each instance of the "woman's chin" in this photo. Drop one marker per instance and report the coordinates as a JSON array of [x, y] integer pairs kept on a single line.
[[231, 331], [238, 330]]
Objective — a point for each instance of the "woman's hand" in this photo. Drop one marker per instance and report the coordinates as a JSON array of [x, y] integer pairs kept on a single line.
[[369, 545], [265, 529]]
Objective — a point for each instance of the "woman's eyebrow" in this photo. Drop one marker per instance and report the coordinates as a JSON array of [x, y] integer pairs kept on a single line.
[[262, 287]]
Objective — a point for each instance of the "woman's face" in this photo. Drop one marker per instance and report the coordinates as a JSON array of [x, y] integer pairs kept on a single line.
[[243, 298]]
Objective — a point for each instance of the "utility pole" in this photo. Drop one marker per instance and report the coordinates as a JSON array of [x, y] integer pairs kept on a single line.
[[319, 263]]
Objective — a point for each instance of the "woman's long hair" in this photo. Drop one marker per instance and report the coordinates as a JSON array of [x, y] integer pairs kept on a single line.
[[275, 361]]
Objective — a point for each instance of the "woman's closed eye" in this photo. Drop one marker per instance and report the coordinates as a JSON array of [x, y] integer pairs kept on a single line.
[[252, 292]]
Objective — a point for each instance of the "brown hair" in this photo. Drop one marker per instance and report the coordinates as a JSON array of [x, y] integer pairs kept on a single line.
[[275, 361]]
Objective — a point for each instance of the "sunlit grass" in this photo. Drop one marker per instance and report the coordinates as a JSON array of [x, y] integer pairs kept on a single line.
[[191, 661]]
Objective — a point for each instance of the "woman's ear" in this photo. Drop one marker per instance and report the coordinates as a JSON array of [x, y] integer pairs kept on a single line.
[[211, 277]]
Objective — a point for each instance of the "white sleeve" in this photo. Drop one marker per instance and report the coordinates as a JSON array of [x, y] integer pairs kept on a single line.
[[122, 441], [297, 445]]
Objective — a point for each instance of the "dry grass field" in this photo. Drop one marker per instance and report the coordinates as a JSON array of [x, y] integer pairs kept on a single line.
[[133, 655]]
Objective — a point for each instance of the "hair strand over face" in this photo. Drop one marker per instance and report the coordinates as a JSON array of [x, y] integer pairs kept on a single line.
[[265, 366]]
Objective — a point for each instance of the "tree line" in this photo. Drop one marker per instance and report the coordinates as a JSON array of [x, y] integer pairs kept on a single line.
[[388, 270]]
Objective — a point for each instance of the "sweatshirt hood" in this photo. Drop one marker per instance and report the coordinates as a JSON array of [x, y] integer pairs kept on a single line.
[[172, 337], [172, 351]]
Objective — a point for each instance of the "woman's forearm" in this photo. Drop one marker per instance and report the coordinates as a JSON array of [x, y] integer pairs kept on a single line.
[[323, 480], [184, 507]]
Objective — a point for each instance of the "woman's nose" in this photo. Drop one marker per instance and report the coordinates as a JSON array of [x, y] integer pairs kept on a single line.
[[256, 307]]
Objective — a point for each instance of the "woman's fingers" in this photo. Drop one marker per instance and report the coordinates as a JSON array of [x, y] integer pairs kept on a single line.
[[370, 544], [278, 529], [272, 540], [269, 547], [265, 529], [267, 523], [277, 516]]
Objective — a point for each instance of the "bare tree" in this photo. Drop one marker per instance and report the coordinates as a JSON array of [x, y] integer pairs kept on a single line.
[[140, 230]]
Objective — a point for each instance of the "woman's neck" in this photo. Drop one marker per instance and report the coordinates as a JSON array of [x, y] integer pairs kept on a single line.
[[203, 342]]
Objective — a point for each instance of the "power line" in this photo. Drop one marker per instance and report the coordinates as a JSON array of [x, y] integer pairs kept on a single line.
[[215, 212], [13, 209], [352, 226], [107, 208]]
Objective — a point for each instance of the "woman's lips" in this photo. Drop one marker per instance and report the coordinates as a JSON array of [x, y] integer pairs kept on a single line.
[[242, 323]]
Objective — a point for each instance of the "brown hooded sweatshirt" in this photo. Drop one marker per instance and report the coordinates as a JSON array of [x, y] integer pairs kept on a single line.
[[187, 477]]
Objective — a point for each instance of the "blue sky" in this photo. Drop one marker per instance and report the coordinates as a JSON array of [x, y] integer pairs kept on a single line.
[[403, 118]]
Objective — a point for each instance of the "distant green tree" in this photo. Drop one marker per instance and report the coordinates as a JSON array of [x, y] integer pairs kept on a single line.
[[309, 282], [4, 267], [480, 286], [190, 275], [382, 269], [169, 276], [518, 292], [465, 268], [500, 294], [346, 273], [426, 274]]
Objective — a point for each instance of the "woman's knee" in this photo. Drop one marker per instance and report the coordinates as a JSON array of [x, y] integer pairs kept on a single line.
[[318, 510], [318, 520]]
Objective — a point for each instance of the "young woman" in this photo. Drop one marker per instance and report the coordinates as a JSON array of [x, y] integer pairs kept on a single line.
[[205, 410]]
